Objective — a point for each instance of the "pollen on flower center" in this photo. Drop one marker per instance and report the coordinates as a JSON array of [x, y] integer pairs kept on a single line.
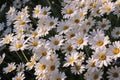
[[84, 31], [115, 75], [117, 33], [65, 27], [69, 11], [52, 68], [71, 60], [18, 79], [44, 12], [102, 56], [107, 9], [103, 25], [31, 63], [99, 43], [80, 41], [69, 48], [34, 43], [21, 23], [92, 64], [37, 11], [95, 77], [77, 21], [10, 69], [34, 34], [116, 50], [7, 40], [19, 45], [72, 35], [58, 79], [77, 67], [44, 53], [51, 23], [42, 67], [56, 42]]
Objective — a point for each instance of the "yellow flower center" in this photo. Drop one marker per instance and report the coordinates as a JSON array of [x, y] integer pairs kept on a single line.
[[116, 51], [34, 34], [118, 3], [42, 67], [18, 17], [7, 40], [21, 23], [44, 12], [51, 23], [34, 44], [20, 31], [95, 77], [56, 42], [37, 11], [77, 67], [58, 79], [77, 21], [71, 60], [84, 31], [103, 25], [88, 23], [65, 27], [99, 43], [107, 9], [80, 41], [18, 79], [118, 33], [72, 35], [69, 11], [31, 63], [81, 14], [80, 57], [115, 75], [44, 53], [92, 64], [102, 56], [19, 45], [52, 67], [11, 69], [69, 48]]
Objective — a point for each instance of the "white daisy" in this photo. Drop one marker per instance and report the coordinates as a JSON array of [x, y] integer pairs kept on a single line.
[[114, 73]]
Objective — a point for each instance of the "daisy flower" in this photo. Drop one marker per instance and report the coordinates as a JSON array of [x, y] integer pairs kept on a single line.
[[71, 59], [104, 24], [96, 75], [114, 73], [78, 69], [114, 49], [102, 57], [116, 32], [56, 42], [98, 39], [17, 4], [107, 8], [37, 11], [19, 76], [79, 41], [91, 65], [69, 11], [58, 76], [9, 68], [20, 67]]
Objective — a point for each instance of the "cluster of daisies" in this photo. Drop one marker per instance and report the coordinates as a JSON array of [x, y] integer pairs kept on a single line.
[[86, 41]]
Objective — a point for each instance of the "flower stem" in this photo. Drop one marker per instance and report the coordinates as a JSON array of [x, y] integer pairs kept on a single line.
[[18, 55], [24, 56]]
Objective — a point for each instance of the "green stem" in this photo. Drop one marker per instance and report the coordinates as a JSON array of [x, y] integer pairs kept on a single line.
[[18, 55], [24, 56]]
